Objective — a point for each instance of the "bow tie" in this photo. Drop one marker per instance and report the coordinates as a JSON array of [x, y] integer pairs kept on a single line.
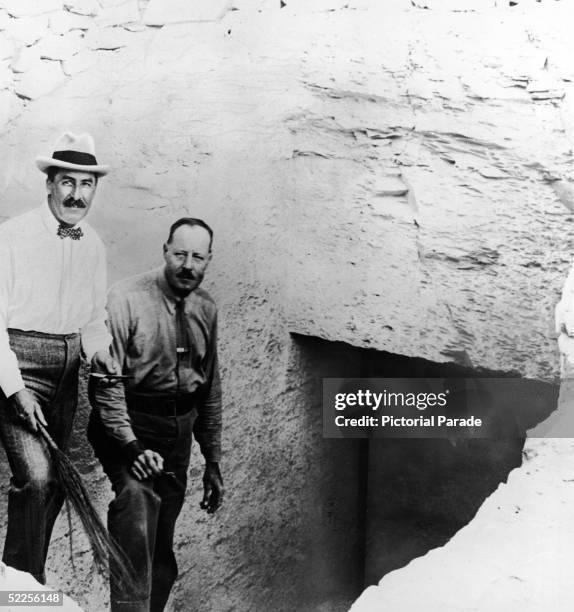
[[75, 233]]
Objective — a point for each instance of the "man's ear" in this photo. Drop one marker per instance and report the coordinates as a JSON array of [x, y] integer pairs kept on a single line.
[[207, 261], [165, 248]]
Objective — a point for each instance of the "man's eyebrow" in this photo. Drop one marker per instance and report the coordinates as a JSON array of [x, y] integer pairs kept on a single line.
[[91, 179]]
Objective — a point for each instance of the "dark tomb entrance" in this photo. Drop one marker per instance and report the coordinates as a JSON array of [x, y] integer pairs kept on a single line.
[[379, 503]]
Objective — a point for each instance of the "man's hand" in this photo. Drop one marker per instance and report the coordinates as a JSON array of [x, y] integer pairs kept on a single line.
[[147, 465], [104, 363], [26, 409], [212, 488]]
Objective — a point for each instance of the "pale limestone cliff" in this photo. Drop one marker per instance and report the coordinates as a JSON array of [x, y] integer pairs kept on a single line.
[[391, 174]]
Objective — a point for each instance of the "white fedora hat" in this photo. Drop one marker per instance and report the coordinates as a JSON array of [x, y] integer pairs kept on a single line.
[[73, 152]]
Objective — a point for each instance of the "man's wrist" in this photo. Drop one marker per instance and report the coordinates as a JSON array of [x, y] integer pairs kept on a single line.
[[90, 349], [211, 453], [99, 354], [13, 390], [16, 397], [132, 450], [212, 468]]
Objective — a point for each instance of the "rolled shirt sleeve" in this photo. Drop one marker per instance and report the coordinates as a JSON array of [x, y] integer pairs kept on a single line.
[[110, 401], [207, 427]]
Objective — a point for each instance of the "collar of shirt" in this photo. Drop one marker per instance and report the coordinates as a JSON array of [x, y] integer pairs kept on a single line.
[[170, 298], [50, 222]]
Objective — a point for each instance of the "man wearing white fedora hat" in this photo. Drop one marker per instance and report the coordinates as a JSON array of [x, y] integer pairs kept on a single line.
[[52, 309]]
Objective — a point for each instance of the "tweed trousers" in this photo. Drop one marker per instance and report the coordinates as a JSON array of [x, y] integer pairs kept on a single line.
[[49, 365]]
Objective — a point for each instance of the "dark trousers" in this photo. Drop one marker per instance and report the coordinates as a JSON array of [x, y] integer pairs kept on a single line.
[[49, 365], [143, 514]]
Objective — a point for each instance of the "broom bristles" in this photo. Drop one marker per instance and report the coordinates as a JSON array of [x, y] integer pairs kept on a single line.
[[108, 555]]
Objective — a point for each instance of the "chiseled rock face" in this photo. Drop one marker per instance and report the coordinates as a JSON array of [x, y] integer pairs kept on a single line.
[[512, 556], [404, 171], [428, 214], [375, 172], [161, 12]]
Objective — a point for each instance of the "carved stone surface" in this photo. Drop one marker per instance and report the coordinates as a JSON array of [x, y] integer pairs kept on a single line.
[[379, 173], [513, 555]]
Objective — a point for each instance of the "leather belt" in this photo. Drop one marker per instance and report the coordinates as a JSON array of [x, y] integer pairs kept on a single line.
[[161, 405]]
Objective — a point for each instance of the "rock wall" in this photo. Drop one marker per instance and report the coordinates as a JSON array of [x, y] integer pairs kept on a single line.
[[390, 174], [514, 555]]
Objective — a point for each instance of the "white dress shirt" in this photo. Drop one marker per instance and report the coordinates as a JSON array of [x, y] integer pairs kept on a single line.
[[49, 284]]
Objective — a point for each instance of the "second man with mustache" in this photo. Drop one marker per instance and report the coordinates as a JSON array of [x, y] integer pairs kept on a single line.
[[164, 329]]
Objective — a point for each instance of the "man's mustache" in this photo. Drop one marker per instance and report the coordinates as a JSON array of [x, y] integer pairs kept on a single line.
[[72, 202], [186, 274]]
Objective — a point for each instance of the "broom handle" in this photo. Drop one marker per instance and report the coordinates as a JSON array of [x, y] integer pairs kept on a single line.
[[44, 433], [103, 545]]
